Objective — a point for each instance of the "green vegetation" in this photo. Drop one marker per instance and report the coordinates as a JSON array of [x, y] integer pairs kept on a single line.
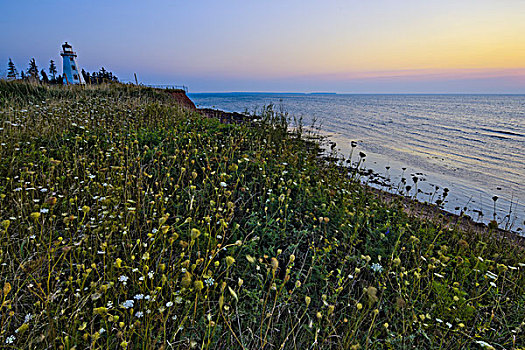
[[129, 222]]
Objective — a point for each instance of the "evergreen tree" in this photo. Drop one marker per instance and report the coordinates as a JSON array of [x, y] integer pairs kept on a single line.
[[52, 69], [45, 79], [85, 76], [11, 70], [22, 75], [32, 71]]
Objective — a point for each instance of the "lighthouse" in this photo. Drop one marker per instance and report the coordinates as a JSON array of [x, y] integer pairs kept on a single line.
[[69, 67]]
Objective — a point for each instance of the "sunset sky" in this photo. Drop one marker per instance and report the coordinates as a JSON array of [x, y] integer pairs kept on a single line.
[[377, 46]]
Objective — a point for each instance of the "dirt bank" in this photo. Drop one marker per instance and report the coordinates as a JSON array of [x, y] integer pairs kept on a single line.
[[181, 97]]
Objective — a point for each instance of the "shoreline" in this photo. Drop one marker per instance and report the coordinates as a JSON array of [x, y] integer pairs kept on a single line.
[[412, 206]]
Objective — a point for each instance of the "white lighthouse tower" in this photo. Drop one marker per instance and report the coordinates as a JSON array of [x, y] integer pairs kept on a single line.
[[69, 67]]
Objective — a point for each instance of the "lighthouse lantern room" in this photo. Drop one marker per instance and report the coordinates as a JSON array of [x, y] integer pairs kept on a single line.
[[70, 68]]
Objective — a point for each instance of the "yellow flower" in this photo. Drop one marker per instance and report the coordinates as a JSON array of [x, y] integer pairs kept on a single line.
[[7, 288], [100, 311], [229, 260], [331, 309], [397, 262], [5, 224], [198, 285], [195, 233]]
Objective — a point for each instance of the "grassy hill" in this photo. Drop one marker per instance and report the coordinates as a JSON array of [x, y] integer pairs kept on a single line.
[[128, 221]]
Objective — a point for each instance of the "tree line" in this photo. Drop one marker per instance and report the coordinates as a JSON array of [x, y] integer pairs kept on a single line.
[[33, 74]]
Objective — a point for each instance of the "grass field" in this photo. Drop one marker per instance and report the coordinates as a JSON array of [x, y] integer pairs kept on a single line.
[[130, 222]]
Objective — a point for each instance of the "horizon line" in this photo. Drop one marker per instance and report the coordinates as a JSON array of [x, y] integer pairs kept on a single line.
[[356, 93]]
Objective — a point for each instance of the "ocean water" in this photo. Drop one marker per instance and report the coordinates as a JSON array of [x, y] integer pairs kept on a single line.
[[474, 145]]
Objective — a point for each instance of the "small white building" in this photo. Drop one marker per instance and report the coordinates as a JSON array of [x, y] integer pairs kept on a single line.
[[71, 72]]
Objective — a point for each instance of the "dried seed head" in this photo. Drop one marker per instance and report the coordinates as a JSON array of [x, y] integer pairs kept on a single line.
[[275, 264]]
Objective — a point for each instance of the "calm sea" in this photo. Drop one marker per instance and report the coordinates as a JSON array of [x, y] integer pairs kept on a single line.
[[474, 145]]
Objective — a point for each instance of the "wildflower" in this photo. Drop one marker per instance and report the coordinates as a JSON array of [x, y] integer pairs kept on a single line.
[[198, 285], [169, 304], [307, 300], [209, 282], [10, 339], [44, 210], [127, 304], [43, 190], [102, 330], [376, 267], [223, 184], [275, 264], [100, 310], [484, 345], [150, 274], [491, 275], [123, 278], [28, 318], [139, 314], [139, 297], [229, 261], [195, 233]]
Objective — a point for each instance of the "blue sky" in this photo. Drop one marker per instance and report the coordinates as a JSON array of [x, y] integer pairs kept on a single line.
[[380, 46]]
